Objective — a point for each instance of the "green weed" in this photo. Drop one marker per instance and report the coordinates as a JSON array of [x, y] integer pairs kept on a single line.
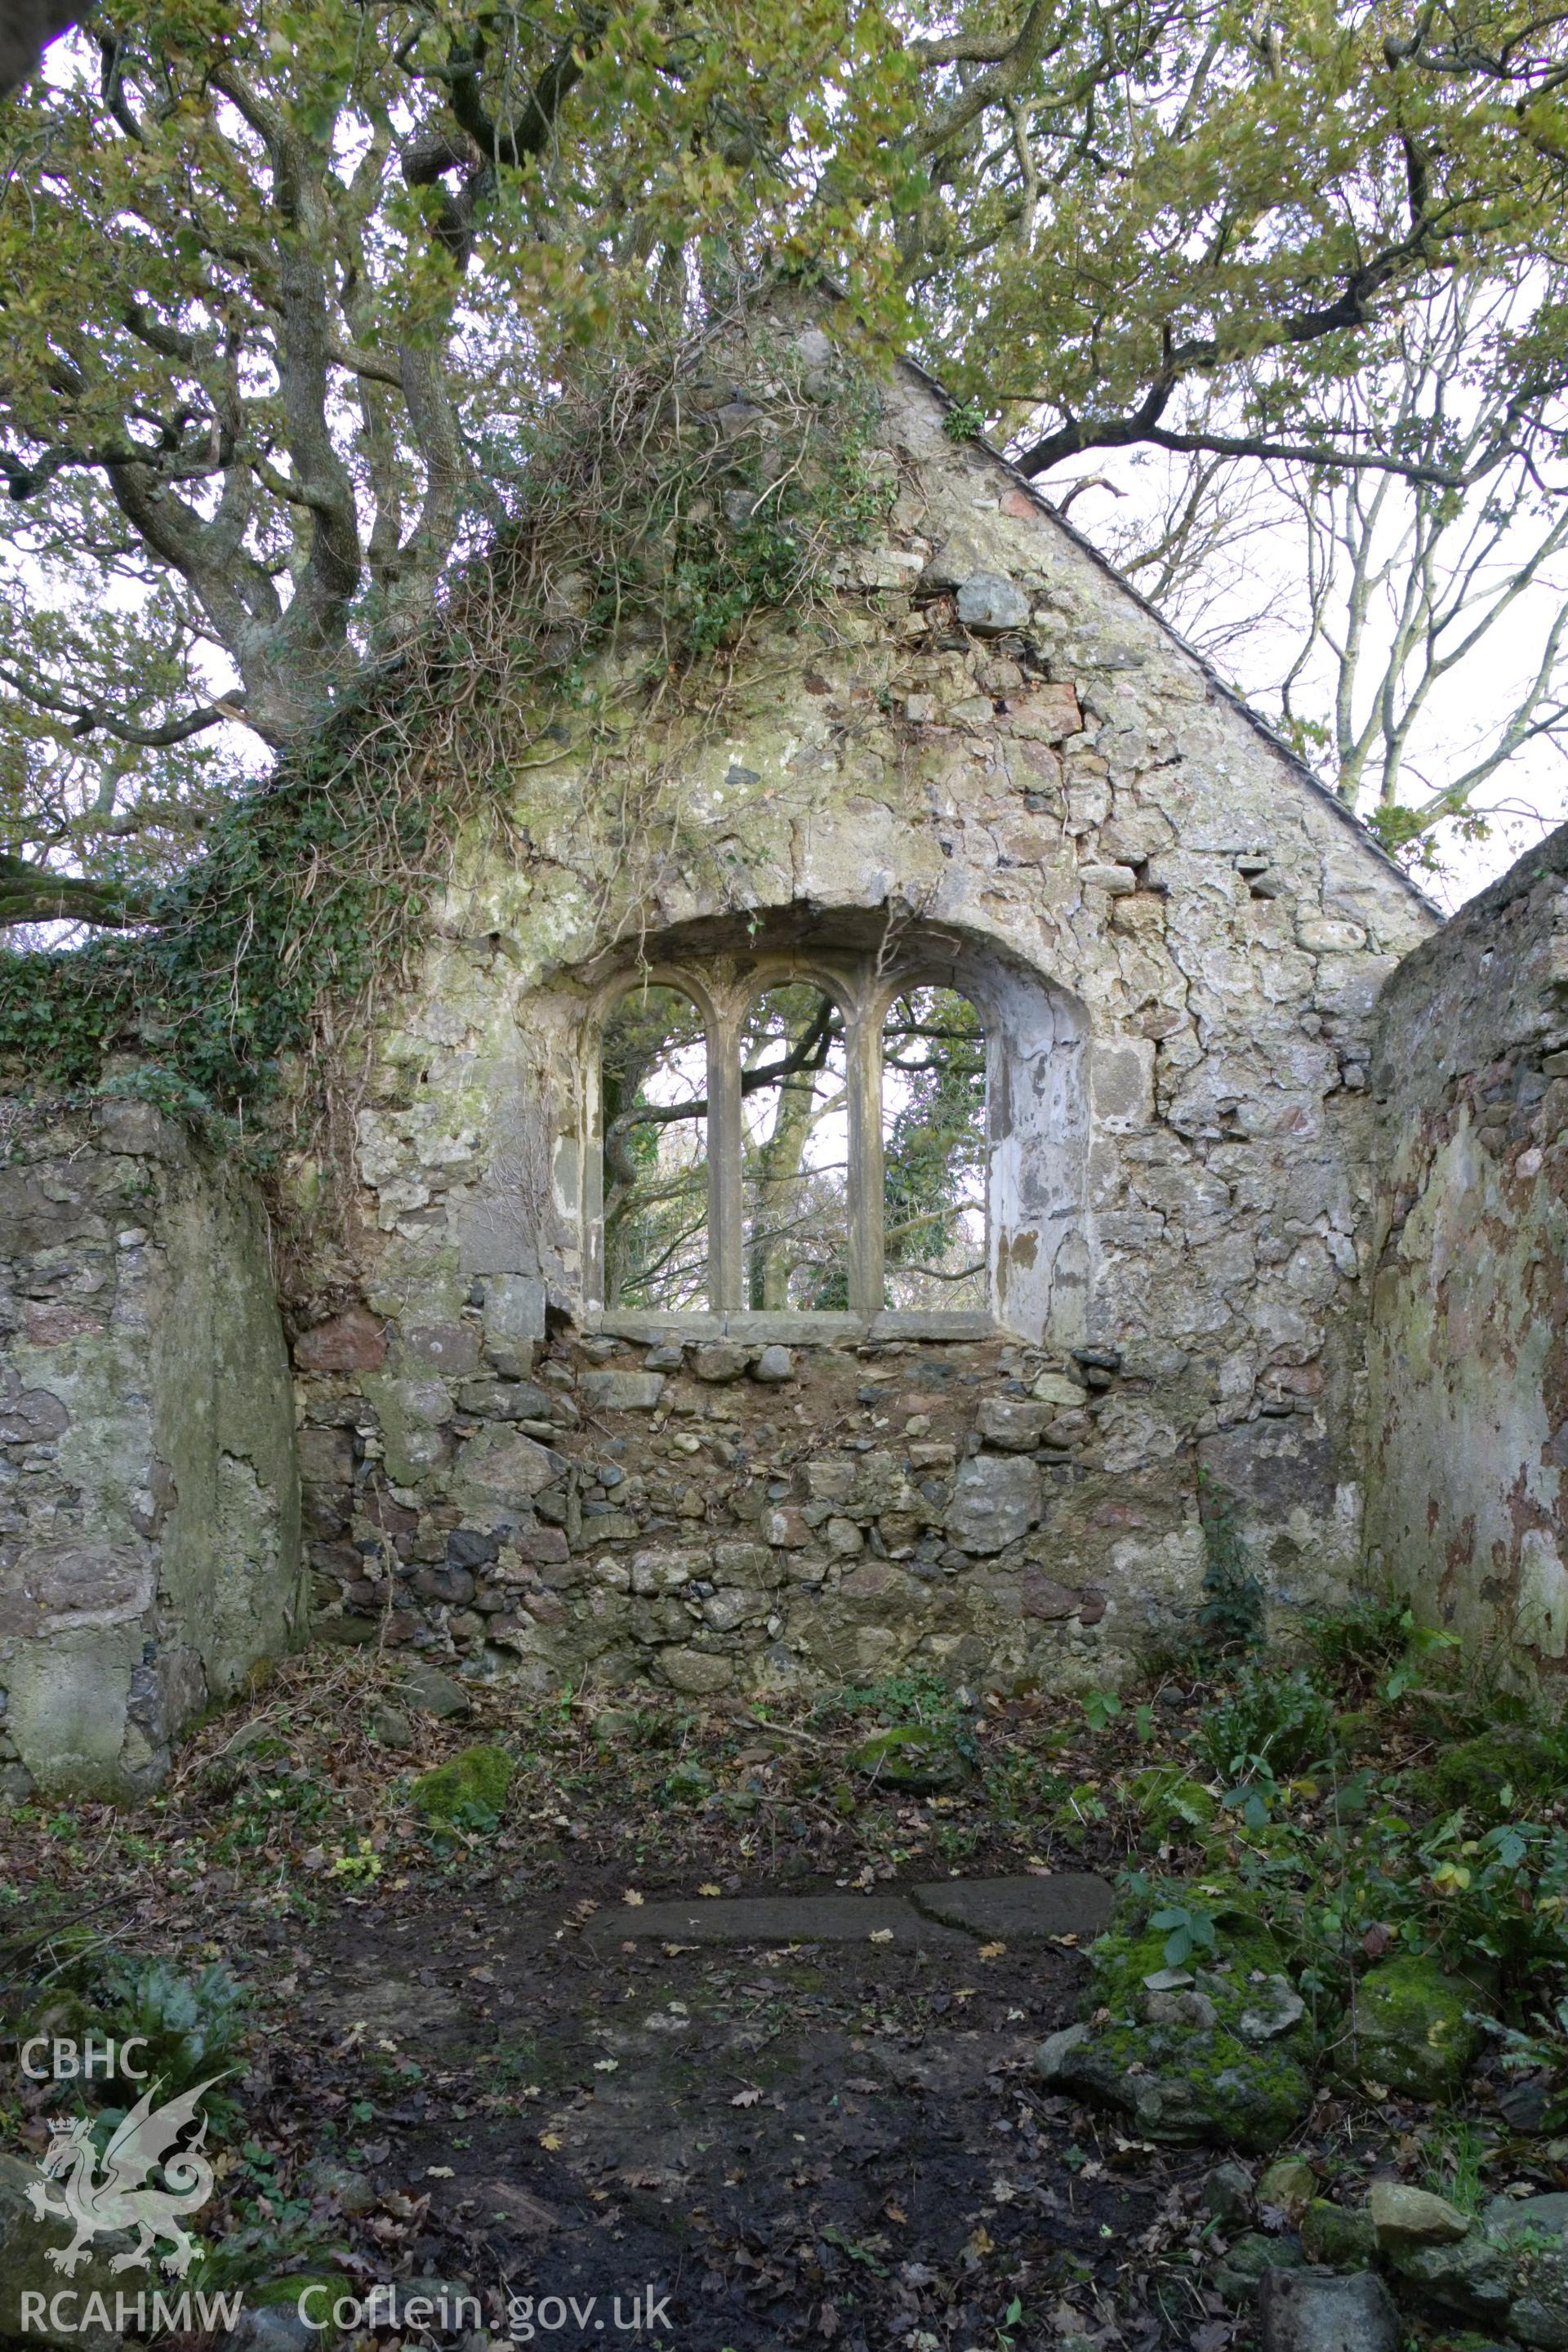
[[1268, 1722], [1232, 1615]]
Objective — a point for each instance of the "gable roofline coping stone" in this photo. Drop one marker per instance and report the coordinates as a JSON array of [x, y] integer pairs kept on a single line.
[[1227, 694]]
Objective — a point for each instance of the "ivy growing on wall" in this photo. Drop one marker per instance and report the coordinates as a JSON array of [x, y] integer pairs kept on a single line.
[[666, 505]]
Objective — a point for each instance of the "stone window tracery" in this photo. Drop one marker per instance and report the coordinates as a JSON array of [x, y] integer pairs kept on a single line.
[[790, 1136]]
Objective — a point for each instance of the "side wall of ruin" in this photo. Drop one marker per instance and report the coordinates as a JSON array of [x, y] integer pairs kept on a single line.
[[1467, 1439], [149, 1501]]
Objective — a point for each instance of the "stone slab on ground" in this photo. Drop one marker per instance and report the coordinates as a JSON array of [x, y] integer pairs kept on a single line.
[[1314, 2311], [947, 1914], [424, 1686], [1068, 1902], [400, 2008], [778, 1920]]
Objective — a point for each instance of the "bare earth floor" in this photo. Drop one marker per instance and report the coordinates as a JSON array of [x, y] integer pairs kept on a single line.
[[799, 2119], [704, 2036]]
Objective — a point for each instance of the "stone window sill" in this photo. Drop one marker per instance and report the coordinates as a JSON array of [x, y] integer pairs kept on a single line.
[[797, 1329]]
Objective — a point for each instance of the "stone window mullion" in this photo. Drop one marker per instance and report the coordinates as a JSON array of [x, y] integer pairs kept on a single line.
[[864, 1051], [725, 1275]]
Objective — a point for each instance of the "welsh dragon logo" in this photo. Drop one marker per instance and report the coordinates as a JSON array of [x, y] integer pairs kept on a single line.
[[112, 2192]]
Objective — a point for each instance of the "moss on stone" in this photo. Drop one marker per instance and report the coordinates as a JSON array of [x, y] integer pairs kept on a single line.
[[469, 1785], [265, 2294], [1477, 1772], [1207, 2086], [1411, 2032], [1199, 2054], [1121, 1962], [916, 1758], [1339, 2240], [1238, 2277]]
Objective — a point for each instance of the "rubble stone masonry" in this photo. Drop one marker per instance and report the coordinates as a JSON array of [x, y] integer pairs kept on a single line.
[[149, 1505], [988, 764], [997, 767], [1467, 1434]]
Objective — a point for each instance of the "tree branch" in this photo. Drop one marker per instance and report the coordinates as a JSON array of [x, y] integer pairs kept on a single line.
[[530, 131], [91, 719], [358, 362], [1122, 432], [1009, 70], [30, 893]]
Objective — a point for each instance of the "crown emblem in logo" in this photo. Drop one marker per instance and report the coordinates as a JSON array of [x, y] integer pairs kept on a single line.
[[103, 2194]]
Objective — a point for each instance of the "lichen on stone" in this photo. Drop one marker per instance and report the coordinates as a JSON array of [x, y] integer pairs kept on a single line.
[[1481, 1774]]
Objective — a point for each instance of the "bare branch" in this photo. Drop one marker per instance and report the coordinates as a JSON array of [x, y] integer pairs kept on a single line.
[[30, 893]]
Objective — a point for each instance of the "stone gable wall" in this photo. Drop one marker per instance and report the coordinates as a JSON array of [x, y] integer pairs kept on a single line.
[[984, 757], [991, 752], [1469, 1358], [149, 1508]]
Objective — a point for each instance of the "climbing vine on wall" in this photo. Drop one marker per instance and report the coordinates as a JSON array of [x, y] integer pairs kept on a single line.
[[665, 503]]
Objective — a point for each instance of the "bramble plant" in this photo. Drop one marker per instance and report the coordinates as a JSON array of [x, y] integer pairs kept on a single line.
[[1362, 1638], [1187, 1929], [193, 2026], [1268, 1722], [1421, 1644]]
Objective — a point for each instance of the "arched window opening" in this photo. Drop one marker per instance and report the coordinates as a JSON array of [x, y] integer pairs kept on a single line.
[[934, 1152], [856, 1138], [654, 1100], [794, 1153]]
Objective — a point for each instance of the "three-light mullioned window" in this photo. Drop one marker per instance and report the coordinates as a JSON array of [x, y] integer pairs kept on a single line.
[[809, 1140]]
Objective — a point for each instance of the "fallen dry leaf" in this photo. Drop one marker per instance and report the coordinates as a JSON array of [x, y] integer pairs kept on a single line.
[[991, 1951], [746, 2098], [881, 1936], [631, 1896]]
